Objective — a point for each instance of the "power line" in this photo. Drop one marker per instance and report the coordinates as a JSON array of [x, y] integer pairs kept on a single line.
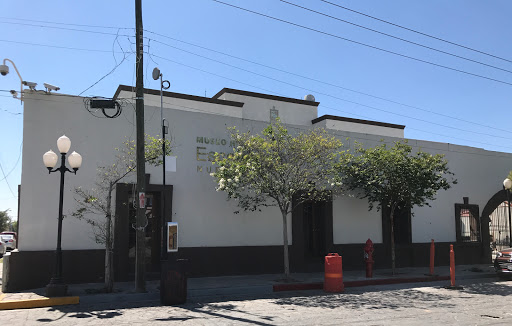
[[6, 181], [65, 28], [417, 32], [58, 46], [396, 37], [68, 24], [332, 96], [323, 82], [364, 44], [316, 80], [110, 72], [15, 164]]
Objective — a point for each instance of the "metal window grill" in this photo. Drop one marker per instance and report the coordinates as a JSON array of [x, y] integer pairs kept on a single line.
[[469, 226]]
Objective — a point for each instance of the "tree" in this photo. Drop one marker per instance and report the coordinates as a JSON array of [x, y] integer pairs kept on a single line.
[[5, 220], [98, 200], [394, 178], [278, 169]]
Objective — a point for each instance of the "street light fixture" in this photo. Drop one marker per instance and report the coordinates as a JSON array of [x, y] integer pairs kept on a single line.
[[164, 84], [507, 184], [4, 70], [56, 287]]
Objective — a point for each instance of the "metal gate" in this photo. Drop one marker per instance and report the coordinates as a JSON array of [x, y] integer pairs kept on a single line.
[[499, 228]]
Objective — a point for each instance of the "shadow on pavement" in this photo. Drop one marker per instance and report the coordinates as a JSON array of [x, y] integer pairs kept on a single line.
[[402, 299], [494, 288]]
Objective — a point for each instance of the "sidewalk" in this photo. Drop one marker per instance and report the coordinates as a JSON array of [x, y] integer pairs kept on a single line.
[[235, 287]]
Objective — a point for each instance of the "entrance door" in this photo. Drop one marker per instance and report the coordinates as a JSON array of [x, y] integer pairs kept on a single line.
[[312, 236], [314, 231]]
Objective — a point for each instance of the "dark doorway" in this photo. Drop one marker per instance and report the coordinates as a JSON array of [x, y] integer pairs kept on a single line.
[[401, 225], [314, 231], [311, 235], [124, 237]]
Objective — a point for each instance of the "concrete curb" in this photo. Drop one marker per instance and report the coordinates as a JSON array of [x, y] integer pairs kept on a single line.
[[319, 285], [38, 303]]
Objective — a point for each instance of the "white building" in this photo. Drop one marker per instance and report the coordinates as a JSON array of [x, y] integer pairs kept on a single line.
[[212, 237]]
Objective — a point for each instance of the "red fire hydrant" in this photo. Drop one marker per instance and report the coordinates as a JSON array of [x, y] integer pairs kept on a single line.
[[368, 258]]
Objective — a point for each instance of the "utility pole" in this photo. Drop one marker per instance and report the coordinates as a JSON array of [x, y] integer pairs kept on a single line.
[[140, 283]]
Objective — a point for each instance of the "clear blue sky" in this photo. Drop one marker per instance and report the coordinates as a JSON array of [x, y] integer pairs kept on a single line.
[[446, 97]]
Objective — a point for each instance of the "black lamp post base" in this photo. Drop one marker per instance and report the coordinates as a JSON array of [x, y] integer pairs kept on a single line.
[[56, 289]]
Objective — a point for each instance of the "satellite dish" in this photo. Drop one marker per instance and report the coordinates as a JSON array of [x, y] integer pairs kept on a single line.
[[308, 97], [156, 73]]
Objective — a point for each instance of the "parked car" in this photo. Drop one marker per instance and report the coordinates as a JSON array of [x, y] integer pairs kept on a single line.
[[10, 232], [503, 263], [9, 241], [3, 249]]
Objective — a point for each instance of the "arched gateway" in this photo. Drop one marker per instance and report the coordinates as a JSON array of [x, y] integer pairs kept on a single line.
[[495, 224]]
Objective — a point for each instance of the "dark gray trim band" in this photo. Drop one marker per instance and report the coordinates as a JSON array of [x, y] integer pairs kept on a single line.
[[265, 96], [179, 95], [366, 122]]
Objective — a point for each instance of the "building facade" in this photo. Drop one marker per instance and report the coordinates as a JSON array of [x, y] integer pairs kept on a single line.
[[214, 239]]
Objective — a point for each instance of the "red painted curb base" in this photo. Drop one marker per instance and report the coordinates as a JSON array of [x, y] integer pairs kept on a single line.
[[319, 285]]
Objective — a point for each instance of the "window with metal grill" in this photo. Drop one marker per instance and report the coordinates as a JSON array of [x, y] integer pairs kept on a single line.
[[467, 222]]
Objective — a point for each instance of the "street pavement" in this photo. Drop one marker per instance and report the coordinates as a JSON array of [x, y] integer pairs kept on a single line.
[[249, 300], [480, 302]]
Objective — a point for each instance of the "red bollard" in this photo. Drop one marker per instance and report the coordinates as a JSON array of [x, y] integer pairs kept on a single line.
[[333, 278], [432, 256], [452, 266], [368, 258]]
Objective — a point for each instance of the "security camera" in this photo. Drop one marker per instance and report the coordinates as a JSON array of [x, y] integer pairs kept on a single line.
[[14, 93], [4, 70], [50, 87], [30, 85]]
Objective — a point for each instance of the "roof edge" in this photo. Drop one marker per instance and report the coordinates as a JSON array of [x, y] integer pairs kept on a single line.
[[178, 95], [366, 122], [265, 96]]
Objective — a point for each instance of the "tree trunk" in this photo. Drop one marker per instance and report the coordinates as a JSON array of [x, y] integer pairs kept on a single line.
[[109, 268], [392, 219], [285, 244]]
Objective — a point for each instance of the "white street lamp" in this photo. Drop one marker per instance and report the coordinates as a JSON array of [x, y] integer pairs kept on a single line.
[[56, 287]]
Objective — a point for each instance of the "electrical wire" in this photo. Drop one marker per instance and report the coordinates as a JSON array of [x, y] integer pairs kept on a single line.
[[325, 83], [110, 72], [5, 179], [332, 96], [64, 28], [396, 37], [364, 44], [15, 164], [58, 46], [68, 24], [417, 32]]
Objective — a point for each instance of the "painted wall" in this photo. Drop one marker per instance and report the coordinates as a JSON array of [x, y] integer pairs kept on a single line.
[[363, 128], [259, 109], [204, 215]]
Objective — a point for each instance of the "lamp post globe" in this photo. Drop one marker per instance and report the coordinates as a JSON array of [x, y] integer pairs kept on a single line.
[[57, 287], [50, 159], [507, 183]]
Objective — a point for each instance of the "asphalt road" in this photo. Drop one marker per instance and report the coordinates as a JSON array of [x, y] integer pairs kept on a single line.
[[480, 302]]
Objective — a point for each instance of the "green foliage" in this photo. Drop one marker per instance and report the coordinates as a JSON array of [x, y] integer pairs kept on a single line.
[[509, 175], [96, 201], [275, 167], [395, 176], [5, 220]]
